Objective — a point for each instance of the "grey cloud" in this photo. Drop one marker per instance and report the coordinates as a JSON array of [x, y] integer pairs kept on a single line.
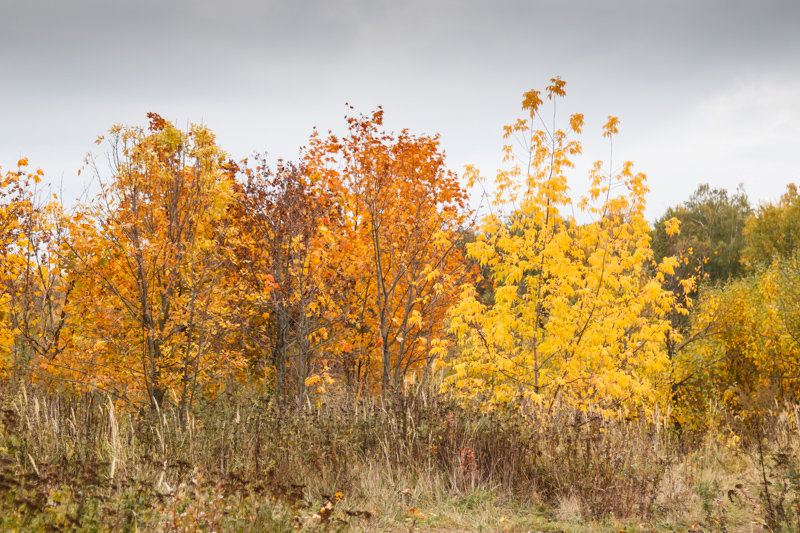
[[262, 73]]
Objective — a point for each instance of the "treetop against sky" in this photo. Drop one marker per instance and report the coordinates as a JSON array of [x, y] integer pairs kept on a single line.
[[706, 92]]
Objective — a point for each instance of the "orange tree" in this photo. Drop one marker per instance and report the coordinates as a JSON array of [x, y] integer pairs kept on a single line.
[[398, 211], [15, 207], [152, 310], [32, 288], [282, 215]]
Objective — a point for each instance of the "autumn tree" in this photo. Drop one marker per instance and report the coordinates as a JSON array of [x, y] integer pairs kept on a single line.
[[740, 341], [579, 313], [399, 213], [753, 350], [774, 230], [151, 310], [32, 287], [15, 208], [709, 250], [290, 317]]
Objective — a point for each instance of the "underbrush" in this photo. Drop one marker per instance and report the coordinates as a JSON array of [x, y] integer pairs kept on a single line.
[[243, 462]]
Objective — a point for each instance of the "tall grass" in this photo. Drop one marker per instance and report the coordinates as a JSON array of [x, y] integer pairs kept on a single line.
[[242, 461]]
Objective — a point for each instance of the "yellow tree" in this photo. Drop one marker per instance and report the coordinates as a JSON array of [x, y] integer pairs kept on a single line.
[[579, 312], [746, 332], [754, 348], [151, 312], [773, 230], [399, 211]]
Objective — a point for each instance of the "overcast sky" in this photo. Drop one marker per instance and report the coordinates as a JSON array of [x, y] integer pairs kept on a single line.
[[706, 91]]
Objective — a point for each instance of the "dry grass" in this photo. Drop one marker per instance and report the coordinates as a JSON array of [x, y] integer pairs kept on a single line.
[[242, 462]]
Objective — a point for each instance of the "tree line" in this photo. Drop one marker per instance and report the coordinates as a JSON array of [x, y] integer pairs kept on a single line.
[[361, 268]]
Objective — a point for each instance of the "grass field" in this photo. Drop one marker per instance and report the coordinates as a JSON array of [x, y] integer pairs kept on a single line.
[[244, 463]]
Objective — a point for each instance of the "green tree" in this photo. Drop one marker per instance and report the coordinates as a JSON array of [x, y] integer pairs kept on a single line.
[[711, 239]]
